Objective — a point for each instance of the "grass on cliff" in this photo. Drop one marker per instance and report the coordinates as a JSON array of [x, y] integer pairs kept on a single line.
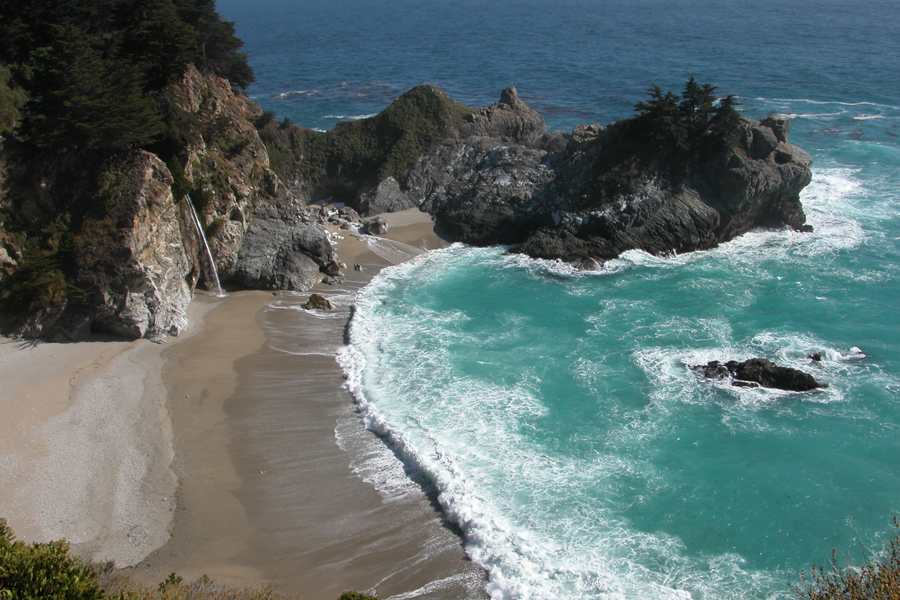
[[368, 150]]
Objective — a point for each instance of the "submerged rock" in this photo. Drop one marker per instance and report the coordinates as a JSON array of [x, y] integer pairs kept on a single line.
[[759, 372], [318, 302]]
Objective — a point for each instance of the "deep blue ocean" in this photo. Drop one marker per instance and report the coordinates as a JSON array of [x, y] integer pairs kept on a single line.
[[554, 410]]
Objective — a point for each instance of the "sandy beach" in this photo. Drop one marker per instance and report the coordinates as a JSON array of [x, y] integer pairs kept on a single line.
[[232, 451]]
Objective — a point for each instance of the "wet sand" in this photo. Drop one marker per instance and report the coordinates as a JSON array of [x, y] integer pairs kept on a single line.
[[232, 451], [279, 482]]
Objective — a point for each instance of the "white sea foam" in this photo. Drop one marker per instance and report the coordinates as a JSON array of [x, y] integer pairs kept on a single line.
[[537, 554], [794, 101], [351, 117], [477, 438], [390, 250]]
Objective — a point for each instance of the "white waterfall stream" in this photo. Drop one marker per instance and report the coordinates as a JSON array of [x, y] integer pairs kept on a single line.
[[212, 263]]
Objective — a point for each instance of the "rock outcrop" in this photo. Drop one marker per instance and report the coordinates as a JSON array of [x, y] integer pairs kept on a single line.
[[145, 293], [759, 372], [318, 302], [497, 177], [108, 245], [550, 205], [115, 249], [284, 248]]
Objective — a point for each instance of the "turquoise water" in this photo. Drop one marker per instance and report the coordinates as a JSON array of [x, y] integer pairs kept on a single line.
[[554, 410]]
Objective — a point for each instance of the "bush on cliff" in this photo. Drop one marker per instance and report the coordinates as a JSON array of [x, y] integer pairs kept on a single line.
[[669, 135], [43, 571], [877, 579]]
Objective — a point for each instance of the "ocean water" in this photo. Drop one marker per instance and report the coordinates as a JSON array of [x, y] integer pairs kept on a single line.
[[554, 410]]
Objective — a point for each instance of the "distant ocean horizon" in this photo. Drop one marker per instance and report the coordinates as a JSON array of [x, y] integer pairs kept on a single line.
[[553, 410]]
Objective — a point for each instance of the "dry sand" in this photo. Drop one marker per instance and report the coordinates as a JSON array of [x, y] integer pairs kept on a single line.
[[277, 480]]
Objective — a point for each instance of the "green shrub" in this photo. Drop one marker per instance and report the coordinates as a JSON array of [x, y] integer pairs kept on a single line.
[[368, 150], [38, 281], [351, 595], [43, 571], [264, 119], [878, 579]]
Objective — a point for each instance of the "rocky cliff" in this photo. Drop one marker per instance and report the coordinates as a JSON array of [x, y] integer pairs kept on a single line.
[[109, 245], [563, 196], [496, 176]]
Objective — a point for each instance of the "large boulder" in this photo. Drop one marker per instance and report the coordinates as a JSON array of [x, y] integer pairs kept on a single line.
[[284, 250], [318, 302], [375, 226], [759, 372]]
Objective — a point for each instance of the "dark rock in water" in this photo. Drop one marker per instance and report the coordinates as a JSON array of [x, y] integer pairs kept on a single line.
[[375, 226], [759, 372], [746, 384], [815, 357], [713, 370], [318, 302]]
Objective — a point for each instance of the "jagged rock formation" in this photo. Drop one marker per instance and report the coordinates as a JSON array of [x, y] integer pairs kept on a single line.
[[498, 177], [759, 372], [130, 256], [488, 176], [555, 204]]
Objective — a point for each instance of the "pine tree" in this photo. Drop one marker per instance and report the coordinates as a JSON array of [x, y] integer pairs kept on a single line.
[[83, 101], [662, 119], [156, 39], [697, 104]]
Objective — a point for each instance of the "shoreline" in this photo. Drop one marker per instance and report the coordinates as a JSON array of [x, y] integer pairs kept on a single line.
[[278, 479]]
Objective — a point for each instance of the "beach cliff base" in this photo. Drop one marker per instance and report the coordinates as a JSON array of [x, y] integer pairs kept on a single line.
[[277, 479]]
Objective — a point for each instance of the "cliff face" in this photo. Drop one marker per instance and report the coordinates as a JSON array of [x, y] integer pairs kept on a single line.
[[106, 245], [88, 244], [548, 203]]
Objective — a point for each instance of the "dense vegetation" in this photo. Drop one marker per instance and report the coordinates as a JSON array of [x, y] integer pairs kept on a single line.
[[41, 571], [91, 69], [84, 83], [369, 150], [680, 125], [669, 135]]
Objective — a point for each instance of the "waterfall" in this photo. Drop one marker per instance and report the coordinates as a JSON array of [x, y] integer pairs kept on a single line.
[[209, 256]]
